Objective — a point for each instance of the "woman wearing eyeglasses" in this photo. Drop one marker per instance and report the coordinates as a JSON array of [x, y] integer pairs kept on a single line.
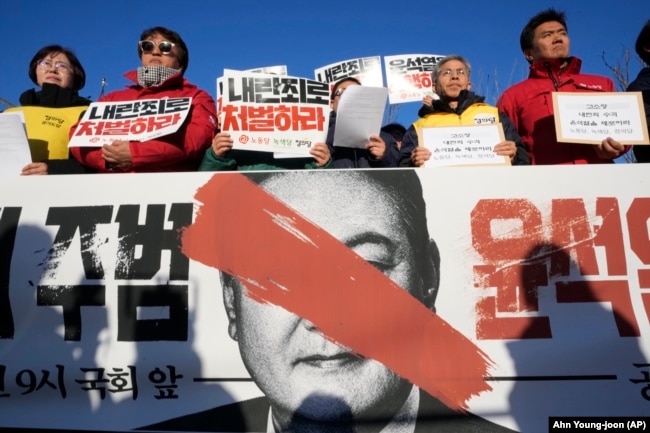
[[52, 109], [164, 58]]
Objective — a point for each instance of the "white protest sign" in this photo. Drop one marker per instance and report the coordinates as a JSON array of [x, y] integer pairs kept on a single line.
[[271, 113], [408, 76], [141, 120], [590, 117]]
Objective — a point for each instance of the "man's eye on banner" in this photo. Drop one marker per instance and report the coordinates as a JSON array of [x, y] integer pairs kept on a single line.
[[309, 313]]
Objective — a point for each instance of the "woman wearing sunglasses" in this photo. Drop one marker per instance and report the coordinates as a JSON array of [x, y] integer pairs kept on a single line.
[[52, 109], [164, 58]]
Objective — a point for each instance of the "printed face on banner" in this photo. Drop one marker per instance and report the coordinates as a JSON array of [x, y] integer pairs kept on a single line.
[[288, 357], [320, 275]]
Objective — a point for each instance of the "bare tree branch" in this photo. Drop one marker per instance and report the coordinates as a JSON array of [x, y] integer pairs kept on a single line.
[[620, 72]]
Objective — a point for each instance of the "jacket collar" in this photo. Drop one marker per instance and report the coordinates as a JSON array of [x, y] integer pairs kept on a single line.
[[52, 95], [171, 82], [541, 68]]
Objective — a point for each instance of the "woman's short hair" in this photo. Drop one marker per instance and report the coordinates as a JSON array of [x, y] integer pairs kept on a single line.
[[78, 73]]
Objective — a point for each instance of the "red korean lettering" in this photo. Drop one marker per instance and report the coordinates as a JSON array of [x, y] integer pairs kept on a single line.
[[156, 123], [233, 119], [571, 230], [637, 221], [138, 126], [307, 118], [261, 119], [425, 80], [283, 120], [89, 128], [117, 128], [507, 268]]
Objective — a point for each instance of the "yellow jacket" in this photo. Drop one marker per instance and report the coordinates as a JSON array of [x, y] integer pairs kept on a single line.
[[48, 130]]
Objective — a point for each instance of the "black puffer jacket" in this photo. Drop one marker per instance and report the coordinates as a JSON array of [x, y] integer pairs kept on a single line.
[[642, 84]]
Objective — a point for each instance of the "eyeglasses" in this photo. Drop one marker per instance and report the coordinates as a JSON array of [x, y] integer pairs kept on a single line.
[[165, 47], [449, 72], [339, 91], [58, 66]]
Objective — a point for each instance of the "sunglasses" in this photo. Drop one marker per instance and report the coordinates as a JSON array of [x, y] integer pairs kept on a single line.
[[165, 47]]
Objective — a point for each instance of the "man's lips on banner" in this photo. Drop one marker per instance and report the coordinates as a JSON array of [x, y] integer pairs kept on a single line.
[[284, 259]]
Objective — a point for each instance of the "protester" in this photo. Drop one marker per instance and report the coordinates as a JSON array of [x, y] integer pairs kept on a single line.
[[165, 58], [381, 150], [51, 110], [642, 84], [529, 104], [457, 105]]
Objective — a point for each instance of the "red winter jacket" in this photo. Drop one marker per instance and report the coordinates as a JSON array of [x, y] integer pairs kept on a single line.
[[180, 151], [529, 105]]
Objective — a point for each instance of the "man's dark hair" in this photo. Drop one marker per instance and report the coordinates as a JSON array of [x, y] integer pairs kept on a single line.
[[395, 130], [170, 35], [78, 73], [642, 46], [338, 84], [545, 16]]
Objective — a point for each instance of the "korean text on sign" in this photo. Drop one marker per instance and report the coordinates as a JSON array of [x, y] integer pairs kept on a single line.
[[274, 113], [105, 122]]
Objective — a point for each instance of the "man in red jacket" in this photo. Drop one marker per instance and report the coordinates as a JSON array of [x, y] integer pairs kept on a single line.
[[164, 57], [529, 104]]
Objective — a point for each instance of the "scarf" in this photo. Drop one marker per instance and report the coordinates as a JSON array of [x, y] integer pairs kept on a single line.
[[149, 76]]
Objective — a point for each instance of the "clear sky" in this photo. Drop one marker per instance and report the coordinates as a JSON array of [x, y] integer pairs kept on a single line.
[[304, 35]]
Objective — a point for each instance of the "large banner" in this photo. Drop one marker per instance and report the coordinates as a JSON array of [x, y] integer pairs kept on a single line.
[[451, 299]]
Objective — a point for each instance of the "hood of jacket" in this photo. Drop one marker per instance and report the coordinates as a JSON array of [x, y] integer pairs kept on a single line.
[[566, 67]]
